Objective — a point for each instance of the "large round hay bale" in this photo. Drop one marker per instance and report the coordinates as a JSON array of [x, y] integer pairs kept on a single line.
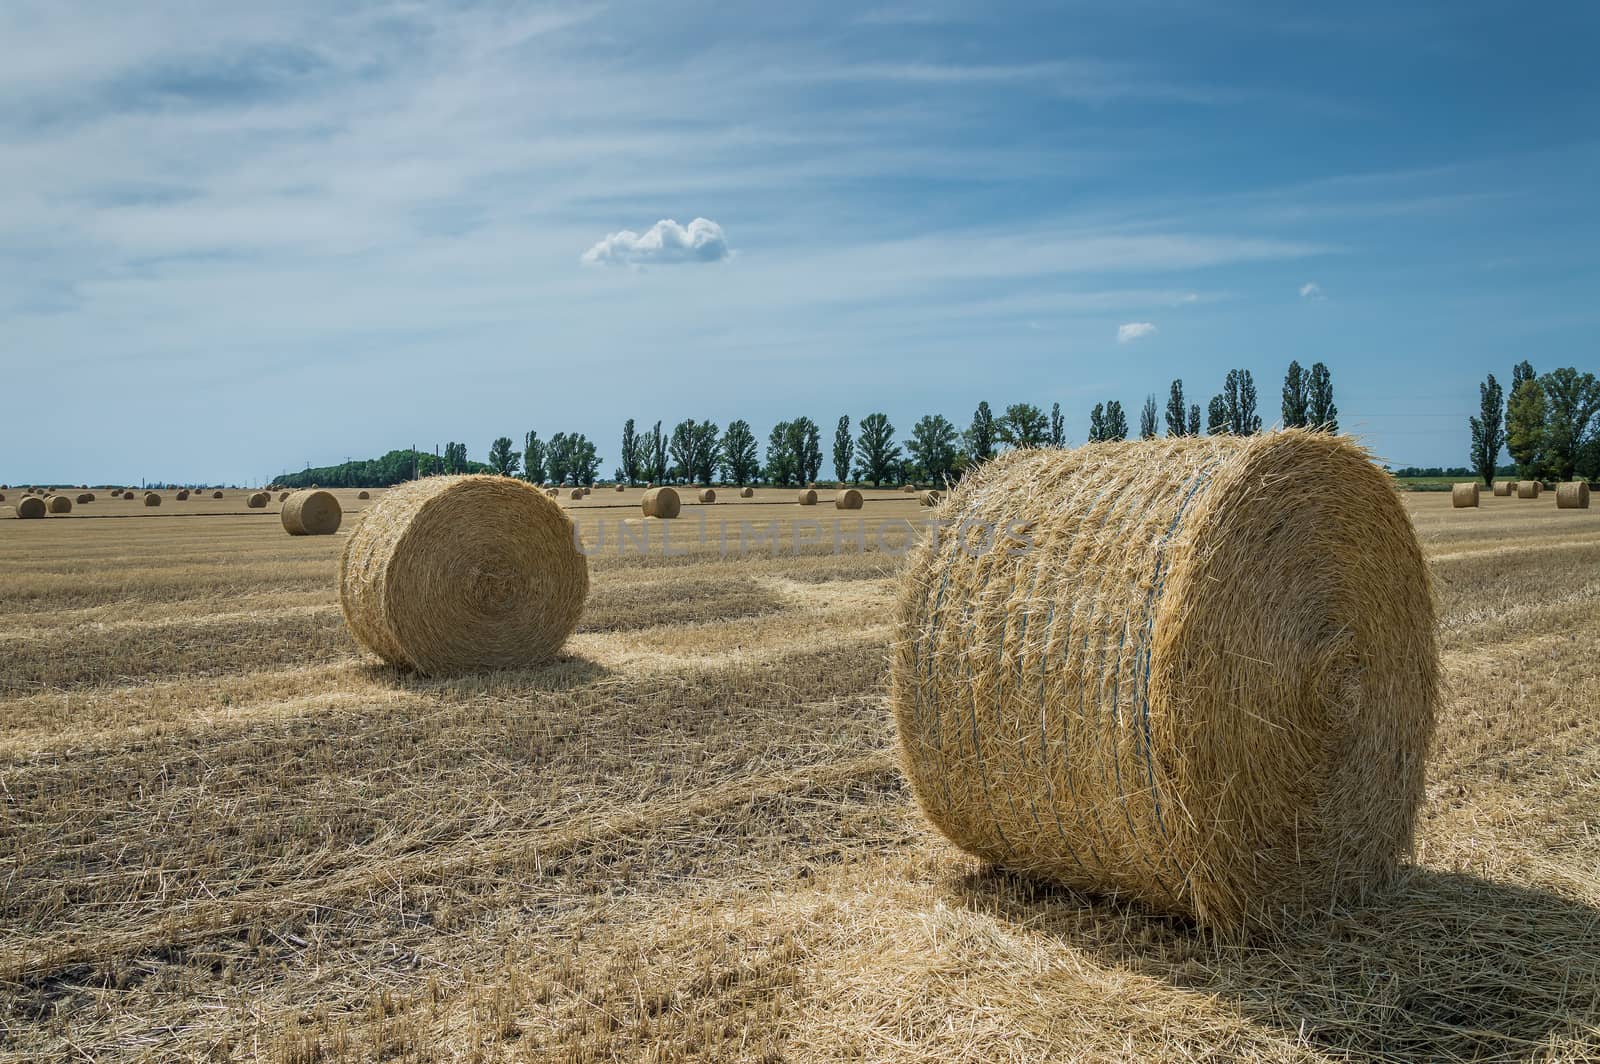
[[747, 492], [1529, 489], [708, 495], [216, 494], [1464, 495], [455, 574], [58, 504], [363, 494], [577, 493], [30, 507], [808, 497], [848, 499], [85, 497], [152, 498], [928, 498], [311, 513], [661, 502], [1573, 495], [258, 500], [1503, 488], [1200, 672]]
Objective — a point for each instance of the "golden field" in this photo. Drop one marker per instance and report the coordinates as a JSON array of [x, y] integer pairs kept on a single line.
[[227, 834]]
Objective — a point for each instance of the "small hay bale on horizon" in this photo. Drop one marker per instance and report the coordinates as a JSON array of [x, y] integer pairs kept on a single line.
[[216, 494], [1529, 489], [283, 496], [808, 497], [1199, 673], [928, 498], [708, 495], [152, 498], [447, 575], [661, 502], [311, 513], [619, 487], [909, 489], [1573, 495], [848, 499], [1504, 488], [85, 497], [1464, 495], [58, 504], [30, 507], [182, 495], [363, 494], [258, 500], [747, 492], [576, 493]]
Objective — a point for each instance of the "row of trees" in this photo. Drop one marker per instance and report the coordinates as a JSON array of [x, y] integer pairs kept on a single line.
[[1550, 424]]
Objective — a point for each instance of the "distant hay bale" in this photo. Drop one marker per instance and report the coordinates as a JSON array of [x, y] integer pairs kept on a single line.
[[363, 494], [848, 499], [619, 487], [1464, 495], [258, 500], [551, 493], [311, 513], [909, 489], [648, 485], [708, 495], [808, 497], [661, 502], [747, 493], [460, 574], [58, 504], [588, 490], [1573, 495], [1198, 672], [30, 507], [1503, 488], [1529, 489], [216, 495], [152, 498], [85, 497], [182, 495], [2, 496], [577, 493], [928, 498], [283, 496]]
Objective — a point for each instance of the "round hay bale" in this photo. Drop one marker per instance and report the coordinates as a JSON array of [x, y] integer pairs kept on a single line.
[[85, 497], [619, 487], [848, 499], [909, 489], [708, 495], [457, 574], [363, 494], [1503, 488], [747, 492], [928, 498], [58, 504], [283, 496], [807, 497], [648, 485], [1200, 672], [216, 495], [588, 490], [1529, 489], [182, 495], [577, 493], [311, 513], [30, 507], [258, 500], [152, 499], [1573, 495], [2, 496], [551, 492], [661, 502], [1464, 495]]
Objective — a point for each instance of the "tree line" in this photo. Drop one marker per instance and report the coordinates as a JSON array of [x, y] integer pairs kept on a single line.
[[1549, 424]]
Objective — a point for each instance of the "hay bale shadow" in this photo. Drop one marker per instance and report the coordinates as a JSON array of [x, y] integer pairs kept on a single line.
[[1444, 967], [567, 672]]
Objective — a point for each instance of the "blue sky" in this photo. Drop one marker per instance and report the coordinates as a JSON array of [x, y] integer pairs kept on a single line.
[[236, 238]]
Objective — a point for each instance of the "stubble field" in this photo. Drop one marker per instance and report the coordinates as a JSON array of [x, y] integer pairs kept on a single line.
[[226, 833]]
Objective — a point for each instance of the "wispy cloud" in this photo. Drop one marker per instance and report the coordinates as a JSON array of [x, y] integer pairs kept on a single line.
[[663, 244], [1311, 290], [1130, 331]]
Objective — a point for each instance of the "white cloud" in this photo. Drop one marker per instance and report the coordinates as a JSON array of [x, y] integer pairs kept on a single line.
[[1311, 290], [664, 243], [1133, 330]]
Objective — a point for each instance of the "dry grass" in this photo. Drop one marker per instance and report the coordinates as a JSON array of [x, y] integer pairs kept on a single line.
[[226, 834]]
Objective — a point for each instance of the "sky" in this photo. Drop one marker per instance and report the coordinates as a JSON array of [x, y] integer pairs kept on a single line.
[[237, 238]]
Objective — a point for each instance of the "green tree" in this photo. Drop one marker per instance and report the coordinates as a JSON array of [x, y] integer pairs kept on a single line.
[[1526, 413], [1521, 373], [980, 436], [1321, 413], [1217, 420], [1116, 421], [1194, 419], [1572, 400], [1488, 430], [844, 449], [1239, 393], [656, 449], [1175, 410], [630, 452], [738, 453], [876, 448], [533, 457], [1097, 423], [933, 447], [558, 458], [503, 458], [1023, 425], [1296, 397], [1147, 418], [455, 457], [805, 443], [585, 460], [693, 448], [1058, 426], [782, 465]]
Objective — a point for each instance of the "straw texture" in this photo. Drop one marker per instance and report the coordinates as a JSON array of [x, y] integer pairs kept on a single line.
[[1504, 488], [1529, 489], [1464, 495], [708, 495], [311, 513], [660, 502], [458, 574], [848, 499], [258, 500], [58, 504], [1573, 495], [1199, 672], [30, 507], [808, 497], [928, 498]]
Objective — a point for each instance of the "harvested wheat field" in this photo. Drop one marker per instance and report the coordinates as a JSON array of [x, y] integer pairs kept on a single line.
[[229, 833]]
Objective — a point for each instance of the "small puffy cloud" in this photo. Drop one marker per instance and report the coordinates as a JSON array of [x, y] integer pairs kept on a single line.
[[1311, 290], [663, 244], [1188, 297], [1133, 330]]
